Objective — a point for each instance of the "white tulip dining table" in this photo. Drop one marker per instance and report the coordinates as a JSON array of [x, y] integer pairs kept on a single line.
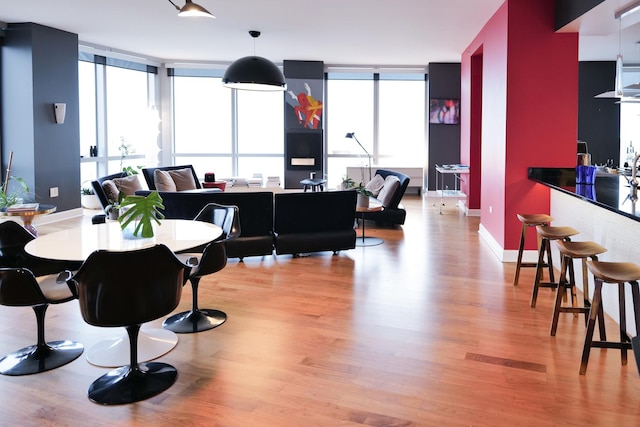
[[75, 244]]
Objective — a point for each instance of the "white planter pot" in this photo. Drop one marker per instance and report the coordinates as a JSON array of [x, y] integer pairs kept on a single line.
[[90, 201], [362, 201]]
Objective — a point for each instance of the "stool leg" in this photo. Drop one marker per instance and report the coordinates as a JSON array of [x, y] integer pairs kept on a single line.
[[603, 333], [635, 292], [593, 313], [561, 290], [539, 268], [572, 285], [549, 263], [623, 323], [520, 251]]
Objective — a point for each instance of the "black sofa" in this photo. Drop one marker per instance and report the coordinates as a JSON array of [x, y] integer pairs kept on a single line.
[[148, 173], [255, 209], [394, 213], [306, 222], [314, 222]]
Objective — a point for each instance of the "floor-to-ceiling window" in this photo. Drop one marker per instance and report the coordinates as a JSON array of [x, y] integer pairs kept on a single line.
[[228, 132], [118, 118], [202, 123], [241, 133], [385, 111]]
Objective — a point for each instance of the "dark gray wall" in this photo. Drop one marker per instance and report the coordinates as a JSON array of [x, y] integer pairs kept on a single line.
[[598, 118], [300, 141], [444, 140], [40, 68]]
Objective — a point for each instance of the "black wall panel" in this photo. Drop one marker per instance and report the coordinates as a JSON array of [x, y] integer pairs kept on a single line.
[[444, 139]]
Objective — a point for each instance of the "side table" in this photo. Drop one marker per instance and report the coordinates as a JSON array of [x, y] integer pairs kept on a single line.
[[314, 184], [365, 240], [28, 215]]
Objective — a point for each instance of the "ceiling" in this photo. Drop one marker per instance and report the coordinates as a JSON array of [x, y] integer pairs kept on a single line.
[[345, 32]]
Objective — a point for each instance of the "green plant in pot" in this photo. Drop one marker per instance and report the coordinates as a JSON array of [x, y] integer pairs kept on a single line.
[[8, 198], [363, 196], [139, 212], [347, 183], [112, 210]]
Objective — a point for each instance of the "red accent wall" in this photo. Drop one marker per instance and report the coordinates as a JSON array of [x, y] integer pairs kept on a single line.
[[528, 110]]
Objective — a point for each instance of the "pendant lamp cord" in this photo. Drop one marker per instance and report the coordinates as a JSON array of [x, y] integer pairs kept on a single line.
[[255, 34]]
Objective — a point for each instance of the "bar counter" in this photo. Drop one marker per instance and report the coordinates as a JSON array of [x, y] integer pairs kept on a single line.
[[610, 191], [604, 213]]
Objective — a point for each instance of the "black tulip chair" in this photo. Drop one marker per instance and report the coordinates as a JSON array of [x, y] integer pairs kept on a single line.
[[127, 289], [212, 259]]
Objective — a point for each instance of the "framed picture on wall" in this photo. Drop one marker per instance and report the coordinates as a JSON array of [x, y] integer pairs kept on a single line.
[[444, 111]]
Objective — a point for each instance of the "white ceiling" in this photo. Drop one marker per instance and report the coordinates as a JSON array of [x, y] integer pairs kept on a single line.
[[347, 32]]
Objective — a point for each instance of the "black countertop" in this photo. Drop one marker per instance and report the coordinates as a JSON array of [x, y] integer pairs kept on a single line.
[[610, 191]]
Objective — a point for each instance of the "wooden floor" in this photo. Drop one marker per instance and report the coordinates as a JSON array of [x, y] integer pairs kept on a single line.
[[423, 330]]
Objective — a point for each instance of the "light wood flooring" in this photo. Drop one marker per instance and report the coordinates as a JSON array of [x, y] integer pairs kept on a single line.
[[423, 330]]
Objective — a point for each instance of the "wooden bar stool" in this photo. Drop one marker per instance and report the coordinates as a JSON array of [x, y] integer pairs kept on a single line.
[[547, 234], [568, 252], [528, 220], [612, 272]]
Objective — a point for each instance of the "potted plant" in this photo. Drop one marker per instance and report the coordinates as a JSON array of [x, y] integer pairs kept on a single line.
[[87, 197], [138, 212], [363, 196], [8, 198], [126, 149], [347, 183], [112, 210]]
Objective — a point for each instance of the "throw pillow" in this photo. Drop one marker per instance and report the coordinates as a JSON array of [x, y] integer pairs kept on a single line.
[[183, 179], [163, 181], [375, 185], [128, 184], [391, 184], [110, 190]]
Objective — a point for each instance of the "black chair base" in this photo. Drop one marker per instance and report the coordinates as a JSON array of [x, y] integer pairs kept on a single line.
[[36, 359], [126, 385], [192, 321]]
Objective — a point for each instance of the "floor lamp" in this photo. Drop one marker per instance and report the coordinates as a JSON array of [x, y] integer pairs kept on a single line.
[[353, 135]]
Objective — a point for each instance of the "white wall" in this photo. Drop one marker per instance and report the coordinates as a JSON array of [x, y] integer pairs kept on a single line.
[[619, 234]]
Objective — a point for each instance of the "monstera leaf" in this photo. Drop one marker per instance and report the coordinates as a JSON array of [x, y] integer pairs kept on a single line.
[[143, 210]]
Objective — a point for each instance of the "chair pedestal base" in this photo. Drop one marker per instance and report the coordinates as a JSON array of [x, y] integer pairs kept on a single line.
[[126, 385], [194, 321], [152, 343], [40, 358]]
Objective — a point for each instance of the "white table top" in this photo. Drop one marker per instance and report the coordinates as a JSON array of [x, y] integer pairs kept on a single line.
[[452, 169], [76, 244]]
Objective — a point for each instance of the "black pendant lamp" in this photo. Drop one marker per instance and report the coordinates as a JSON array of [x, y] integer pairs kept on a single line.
[[191, 9], [254, 73]]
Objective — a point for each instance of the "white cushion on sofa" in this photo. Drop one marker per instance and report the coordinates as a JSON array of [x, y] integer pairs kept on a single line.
[[375, 185], [391, 185]]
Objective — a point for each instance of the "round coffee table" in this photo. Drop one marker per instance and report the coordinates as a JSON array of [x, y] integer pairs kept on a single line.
[[365, 240]]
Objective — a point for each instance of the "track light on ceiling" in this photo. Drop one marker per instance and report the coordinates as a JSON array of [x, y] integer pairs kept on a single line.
[[254, 73], [191, 9]]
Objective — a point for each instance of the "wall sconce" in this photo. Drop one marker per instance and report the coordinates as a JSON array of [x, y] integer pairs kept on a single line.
[[60, 109]]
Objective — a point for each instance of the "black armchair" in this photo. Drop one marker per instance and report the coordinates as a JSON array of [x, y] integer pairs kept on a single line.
[[102, 196], [127, 289], [19, 287], [212, 259]]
